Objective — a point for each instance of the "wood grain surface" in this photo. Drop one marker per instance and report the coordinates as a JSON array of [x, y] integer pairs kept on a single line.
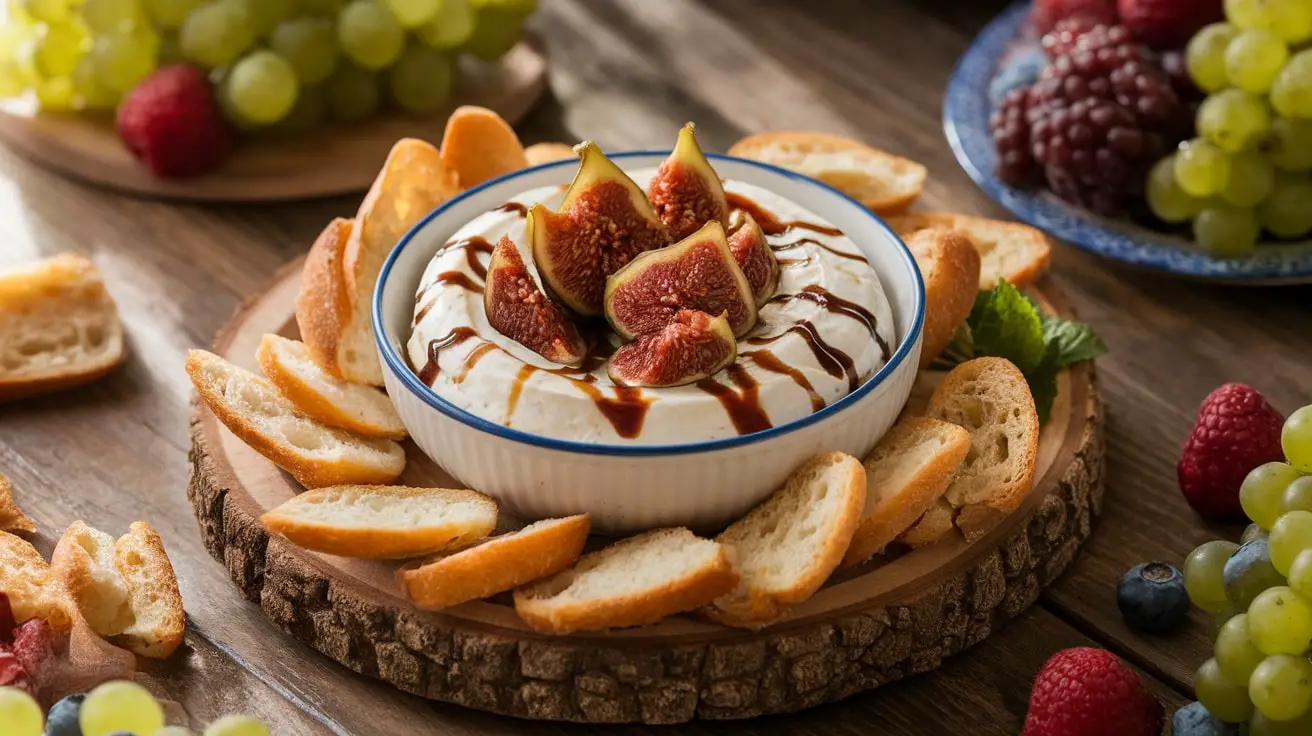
[[627, 73]]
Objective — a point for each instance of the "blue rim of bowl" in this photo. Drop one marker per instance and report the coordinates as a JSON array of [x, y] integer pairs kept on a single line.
[[401, 369], [966, 109]]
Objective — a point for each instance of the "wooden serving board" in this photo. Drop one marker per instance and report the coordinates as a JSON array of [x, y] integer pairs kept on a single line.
[[867, 627], [332, 160]]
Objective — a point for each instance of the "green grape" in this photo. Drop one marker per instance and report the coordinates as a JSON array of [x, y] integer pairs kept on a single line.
[[1263, 490], [1281, 687], [1235, 654], [1291, 94], [1251, 532], [1226, 231], [90, 93], [521, 7], [421, 79], [1300, 574], [1254, 59], [352, 93], [1296, 438], [57, 52], [170, 50], [1260, 725], [169, 14], [174, 731], [1220, 619], [112, 16], [1166, 199], [237, 726], [13, 80], [1287, 212], [121, 60], [451, 27], [1205, 56], [496, 31], [1201, 168], [1291, 534], [120, 706], [308, 113], [1234, 120], [309, 45], [1289, 145], [262, 87], [217, 34], [1298, 496], [370, 35], [1225, 700], [413, 13], [1289, 19], [1252, 177], [55, 94], [13, 38], [1280, 622], [265, 15], [47, 11], [329, 8], [20, 713], [1203, 570]]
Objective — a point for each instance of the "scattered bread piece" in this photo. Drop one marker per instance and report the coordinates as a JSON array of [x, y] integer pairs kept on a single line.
[[991, 400], [498, 564], [1010, 250], [935, 525], [479, 145], [786, 548], [383, 522], [84, 562], [33, 589], [950, 266], [59, 327], [12, 518], [636, 581], [316, 455], [881, 181], [361, 409], [905, 474], [541, 153]]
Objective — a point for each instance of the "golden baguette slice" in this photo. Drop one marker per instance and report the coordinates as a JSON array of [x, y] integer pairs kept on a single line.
[[12, 518], [316, 455], [905, 474], [990, 398], [636, 581], [1010, 250], [936, 524], [479, 144], [323, 305], [34, 591], [786, 548], [354, 407], [950, 267], [541, 153], [497, 564], [59, 327], [383, 522], [881, 181]]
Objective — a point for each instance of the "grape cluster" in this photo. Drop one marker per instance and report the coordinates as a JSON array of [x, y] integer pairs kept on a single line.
[[1250, 168], [1101, 113], [286, 63], [1260, 595], [113, 709]]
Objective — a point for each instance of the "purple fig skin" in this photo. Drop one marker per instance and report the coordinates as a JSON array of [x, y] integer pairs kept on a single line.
[[755, 258], [686, 192], [691, 347], [698, 273], [518, 309]]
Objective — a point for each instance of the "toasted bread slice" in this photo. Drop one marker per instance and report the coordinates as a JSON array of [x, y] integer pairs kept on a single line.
[[636, 581], [413, 181], [881, 181], [950, 266], [786, 548], [34, 591], [991, 399], [354, 407], [541, 153], [1010, 250], [59, 327], [936, 524], [905, 474], [479, 145], [316, 455], [498, 564], [12, 518], [383, 522]]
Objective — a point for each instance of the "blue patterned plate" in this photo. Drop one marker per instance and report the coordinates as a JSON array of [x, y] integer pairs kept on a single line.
[[1004, 53]]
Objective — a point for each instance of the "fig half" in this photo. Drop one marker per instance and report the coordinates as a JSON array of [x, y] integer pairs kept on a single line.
[[686, 192], [604, 222], [698, 272], [754, 257], [518, 309], [693, 346]]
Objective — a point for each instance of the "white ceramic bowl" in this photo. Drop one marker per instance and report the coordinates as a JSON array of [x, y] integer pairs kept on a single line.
[[701, 485]]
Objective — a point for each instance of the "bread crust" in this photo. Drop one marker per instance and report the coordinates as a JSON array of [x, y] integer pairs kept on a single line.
[[32, 587], [378, 542], [12, 517], [691, 591], [479, 145], [934, 525], [899, 509], [143, 547], [1036, 246], [323, 305], [496, 565], [94, 585], [950, 265], [541, 153]]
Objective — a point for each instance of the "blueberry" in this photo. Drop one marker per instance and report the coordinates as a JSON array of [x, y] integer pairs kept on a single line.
[[1248, 572], [62, 720], [1194, 720], [1152, 598]]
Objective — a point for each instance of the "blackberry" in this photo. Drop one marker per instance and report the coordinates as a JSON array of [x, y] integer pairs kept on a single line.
[[1011, 136]]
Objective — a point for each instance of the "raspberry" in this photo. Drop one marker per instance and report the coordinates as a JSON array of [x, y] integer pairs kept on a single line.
[[172, 123], [1237, 430], [1168, 24], [1089, 692], [1047, 14]]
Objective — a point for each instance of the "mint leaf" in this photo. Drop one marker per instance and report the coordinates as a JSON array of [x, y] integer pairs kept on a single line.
[[1074, 342], [1043, 382], [1006, 325]]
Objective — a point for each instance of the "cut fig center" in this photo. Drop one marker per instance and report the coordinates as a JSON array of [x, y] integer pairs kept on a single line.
[[518, 309], [692, 346]]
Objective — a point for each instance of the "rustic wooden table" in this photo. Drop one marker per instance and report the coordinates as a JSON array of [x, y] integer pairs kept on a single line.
[[626, 74]]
